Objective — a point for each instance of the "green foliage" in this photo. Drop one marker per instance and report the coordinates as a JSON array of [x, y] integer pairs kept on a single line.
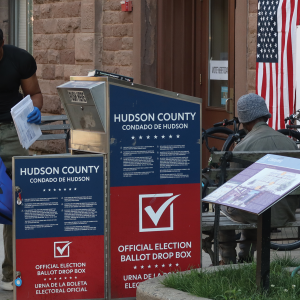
[[239, 282]]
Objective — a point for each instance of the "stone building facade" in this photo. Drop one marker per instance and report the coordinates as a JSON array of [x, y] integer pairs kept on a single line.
[[73, 37], [4, 17]]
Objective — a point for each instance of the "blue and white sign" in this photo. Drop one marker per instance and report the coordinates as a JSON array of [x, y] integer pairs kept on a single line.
[[154, 186], [60, 196], [154, 139], [59, 227]]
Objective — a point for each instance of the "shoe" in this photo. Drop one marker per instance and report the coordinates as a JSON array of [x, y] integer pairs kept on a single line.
[[248, 259], [7, 286], [221, 263]]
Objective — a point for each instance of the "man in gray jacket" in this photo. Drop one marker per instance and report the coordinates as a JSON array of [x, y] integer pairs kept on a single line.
[[253, 114]]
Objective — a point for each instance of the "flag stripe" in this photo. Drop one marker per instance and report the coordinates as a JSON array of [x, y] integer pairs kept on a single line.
[[271, 95], [276, 53]]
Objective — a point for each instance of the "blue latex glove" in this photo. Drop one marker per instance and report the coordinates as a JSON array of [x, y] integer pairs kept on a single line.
[[35, 116]]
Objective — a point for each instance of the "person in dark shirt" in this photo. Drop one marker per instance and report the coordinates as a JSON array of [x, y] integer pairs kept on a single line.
[[17, 69]]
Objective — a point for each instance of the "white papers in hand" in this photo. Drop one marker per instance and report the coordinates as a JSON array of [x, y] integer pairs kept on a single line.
[[28, 133]]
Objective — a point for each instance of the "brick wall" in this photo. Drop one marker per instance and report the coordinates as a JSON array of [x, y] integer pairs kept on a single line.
[[63, 45], [117, 39], [4, 15], [73, 37], [251, 46]]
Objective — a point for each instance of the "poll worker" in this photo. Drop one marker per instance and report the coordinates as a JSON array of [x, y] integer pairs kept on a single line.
[[17, 68], [253, 114]]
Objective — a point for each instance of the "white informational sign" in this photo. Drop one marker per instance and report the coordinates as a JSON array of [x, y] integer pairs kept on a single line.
[[219, 70], [28, 133], [298, 69], [259, 186]]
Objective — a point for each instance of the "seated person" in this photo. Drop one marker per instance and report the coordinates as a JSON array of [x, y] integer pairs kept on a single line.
[[253, 114]]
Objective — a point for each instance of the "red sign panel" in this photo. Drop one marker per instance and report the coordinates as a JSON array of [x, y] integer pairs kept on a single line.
[[154, 230], [61, 268]]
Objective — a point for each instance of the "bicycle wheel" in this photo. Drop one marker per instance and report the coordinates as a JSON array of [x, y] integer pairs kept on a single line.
[[293, 134], [233, 139], [285, 238], [215, 137]]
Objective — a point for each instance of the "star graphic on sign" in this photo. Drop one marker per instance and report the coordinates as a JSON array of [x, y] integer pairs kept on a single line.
[[156, 266], [149, 267], [132, 137], [142, 267], [162, 136], [178, 136], [65, 277], [49, 278], [70, 277], [44, 190], [140, 137], [65, 189], [75, 277], [75, 189], [134, 267], [44, 278], [70, 189], [170, 265], [59, 189], [148, 137], [54, 189], [177, 265], [155, 136], [49, 190], [170, 136], [59, 278], [54, 278], [163, 266]]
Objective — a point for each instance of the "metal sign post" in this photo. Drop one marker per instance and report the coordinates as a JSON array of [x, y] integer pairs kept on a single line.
[[263, 250], [59, 227]]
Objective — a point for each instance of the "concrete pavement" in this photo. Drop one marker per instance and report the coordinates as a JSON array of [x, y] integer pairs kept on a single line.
[[4, 295]]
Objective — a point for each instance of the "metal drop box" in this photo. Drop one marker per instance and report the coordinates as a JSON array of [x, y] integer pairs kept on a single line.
[[151, 143]]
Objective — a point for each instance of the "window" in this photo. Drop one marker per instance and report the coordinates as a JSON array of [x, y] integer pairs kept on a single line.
[[218, 49], [21, 24]]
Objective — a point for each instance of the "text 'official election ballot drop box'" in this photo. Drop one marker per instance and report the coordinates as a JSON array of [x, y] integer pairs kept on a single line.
[[151, 139], [59, 227]]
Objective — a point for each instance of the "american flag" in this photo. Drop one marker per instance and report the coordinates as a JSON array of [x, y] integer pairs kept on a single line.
[[276, 56]]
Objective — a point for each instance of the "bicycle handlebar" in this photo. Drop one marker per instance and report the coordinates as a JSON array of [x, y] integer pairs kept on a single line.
[[290, 118], [226, 122], [293, 117], [218, 124]]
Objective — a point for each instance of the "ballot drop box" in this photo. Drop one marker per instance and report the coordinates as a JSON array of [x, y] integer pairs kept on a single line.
[[147, 141]]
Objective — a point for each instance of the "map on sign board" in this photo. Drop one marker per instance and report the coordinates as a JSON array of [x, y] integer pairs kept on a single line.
[[259, 186]]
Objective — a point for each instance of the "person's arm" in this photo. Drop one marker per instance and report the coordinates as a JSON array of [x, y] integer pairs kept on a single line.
[[30, 86]]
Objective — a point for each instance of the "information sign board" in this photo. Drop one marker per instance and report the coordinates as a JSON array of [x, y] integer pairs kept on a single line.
[[59, 227], [259, 186], [154, 187]]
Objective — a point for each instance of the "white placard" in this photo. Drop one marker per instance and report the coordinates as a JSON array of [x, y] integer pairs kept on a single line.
[[28, 132], [219, 70], [298, 69]]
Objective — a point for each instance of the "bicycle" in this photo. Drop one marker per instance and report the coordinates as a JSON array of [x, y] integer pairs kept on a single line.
[[291, 232], [237, 136]]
